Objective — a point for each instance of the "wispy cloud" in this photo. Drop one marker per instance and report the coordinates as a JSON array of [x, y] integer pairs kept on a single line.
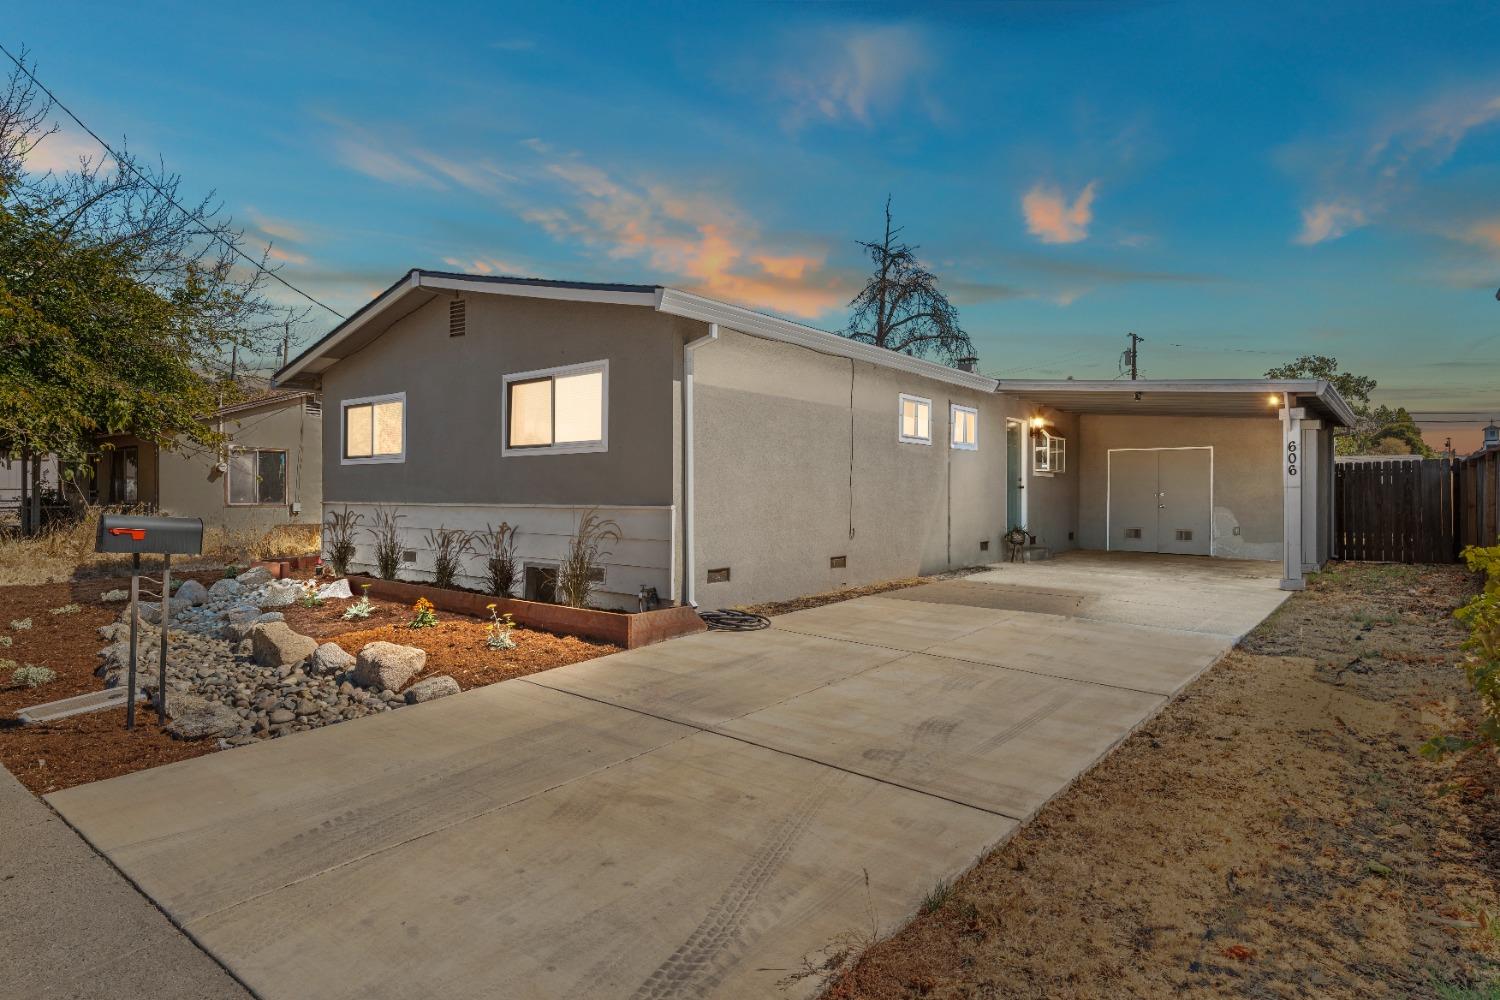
[[854, 74], [705, 240], [62, 151], [486, 265], [1359, 177], [1052, 219]]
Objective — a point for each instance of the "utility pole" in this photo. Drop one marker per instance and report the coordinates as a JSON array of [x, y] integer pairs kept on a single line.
[[286, 341], [234, 359], [1131, 357]]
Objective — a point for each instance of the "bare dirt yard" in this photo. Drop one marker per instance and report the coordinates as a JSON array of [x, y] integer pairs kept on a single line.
[[83, 748], [1273, 833]]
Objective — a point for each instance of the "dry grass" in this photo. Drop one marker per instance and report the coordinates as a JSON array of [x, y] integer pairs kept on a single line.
[[65, 552]]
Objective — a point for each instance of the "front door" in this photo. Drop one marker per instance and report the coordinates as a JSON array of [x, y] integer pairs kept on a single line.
[[1160, 500], [1015, 474]]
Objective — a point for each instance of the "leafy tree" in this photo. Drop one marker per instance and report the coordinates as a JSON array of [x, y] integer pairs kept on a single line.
[[901, 308], [1379, 430], [1355, 389], [118, 308]]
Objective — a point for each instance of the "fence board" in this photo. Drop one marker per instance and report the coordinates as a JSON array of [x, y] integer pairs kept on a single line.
[[1409, 511]]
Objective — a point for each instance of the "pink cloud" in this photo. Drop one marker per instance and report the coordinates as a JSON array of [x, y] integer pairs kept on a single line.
[[1328, 220], [1051, 219]]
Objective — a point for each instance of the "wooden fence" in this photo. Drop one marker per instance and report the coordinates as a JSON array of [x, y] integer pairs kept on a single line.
[[1415, 510]]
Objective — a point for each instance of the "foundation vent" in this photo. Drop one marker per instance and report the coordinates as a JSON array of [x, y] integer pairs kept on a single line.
[[1184, 535], [1132, 532], [408, 555], [838, 562], [458, 320], [720, 575], [984, 546]]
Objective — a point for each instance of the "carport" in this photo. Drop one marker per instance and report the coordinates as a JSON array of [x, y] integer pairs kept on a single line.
[[1239, 468]]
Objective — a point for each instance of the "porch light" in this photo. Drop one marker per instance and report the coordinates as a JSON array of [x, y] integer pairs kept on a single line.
[[1037, 423], [1274, 399]]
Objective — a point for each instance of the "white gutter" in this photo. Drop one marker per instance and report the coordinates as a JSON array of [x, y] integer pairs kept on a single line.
[[689, 501]]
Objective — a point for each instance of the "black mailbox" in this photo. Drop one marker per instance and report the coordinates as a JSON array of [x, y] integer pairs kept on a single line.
[[179, 536]]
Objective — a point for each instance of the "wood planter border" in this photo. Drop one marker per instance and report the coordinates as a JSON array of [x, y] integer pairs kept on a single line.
[[283, 568], [627, 629]]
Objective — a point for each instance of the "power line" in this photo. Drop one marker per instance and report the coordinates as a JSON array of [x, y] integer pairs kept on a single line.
[[170, 200]]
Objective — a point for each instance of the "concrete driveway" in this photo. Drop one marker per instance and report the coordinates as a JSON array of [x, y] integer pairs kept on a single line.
[[695, 819]]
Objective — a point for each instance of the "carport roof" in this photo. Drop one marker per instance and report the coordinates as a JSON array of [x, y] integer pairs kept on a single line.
[[1184, 397]]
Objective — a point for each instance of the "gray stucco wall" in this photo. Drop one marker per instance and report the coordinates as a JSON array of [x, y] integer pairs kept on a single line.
[[1246, 480], [796, 450], [190, 485], [453, 388]]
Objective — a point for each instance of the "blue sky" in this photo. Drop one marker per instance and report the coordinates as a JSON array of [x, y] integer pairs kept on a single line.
[[1239, 185]]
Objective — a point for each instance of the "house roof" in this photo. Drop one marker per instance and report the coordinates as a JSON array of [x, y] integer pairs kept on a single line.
[[418, 287], [1185, 397], [272, 397]]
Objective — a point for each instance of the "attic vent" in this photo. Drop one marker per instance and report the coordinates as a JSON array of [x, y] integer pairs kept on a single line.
[[1132, 532], [838, 562], [1184, 535], [457, 317], [313, 407], [719, 575]]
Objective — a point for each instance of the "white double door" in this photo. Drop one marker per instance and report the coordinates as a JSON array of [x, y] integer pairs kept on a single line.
[[1161, 500]]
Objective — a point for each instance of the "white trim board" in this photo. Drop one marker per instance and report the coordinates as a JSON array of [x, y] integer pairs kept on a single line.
[[1109, 484]]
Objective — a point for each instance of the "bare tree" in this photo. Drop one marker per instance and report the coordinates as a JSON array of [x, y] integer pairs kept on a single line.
[[901, 308]]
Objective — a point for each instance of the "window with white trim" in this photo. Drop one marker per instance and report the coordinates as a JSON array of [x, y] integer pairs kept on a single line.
[[374, 429], [915, 425], [557, 410], [1049, 453], [257, 476], [965, 421]]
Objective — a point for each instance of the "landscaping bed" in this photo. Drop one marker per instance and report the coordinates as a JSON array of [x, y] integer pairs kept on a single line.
[[1274, 832], [78, 749]]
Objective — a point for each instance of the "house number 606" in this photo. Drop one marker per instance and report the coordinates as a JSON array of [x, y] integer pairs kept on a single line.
[[1291, 458]]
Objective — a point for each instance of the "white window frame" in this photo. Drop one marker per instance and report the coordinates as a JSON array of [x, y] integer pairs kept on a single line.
[[344, 404], [286, 467], [585, 448], [902, 400], [1046, 447], [954, 409]]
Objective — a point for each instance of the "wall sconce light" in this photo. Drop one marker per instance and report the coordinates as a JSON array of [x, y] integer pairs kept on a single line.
[[1274, 399]]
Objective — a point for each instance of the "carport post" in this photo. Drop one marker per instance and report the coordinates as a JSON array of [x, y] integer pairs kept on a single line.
[[1291, 479]]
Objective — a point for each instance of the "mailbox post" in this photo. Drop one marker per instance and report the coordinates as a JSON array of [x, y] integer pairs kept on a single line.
[[163, 536]]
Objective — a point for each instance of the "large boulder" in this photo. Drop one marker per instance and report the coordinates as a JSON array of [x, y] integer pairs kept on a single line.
[[274, 645], [279, 594], [195, 718], [387, 666], [254, 577], [193, 592], [151, 611], [330, 658], [429, 688], [224, 589]]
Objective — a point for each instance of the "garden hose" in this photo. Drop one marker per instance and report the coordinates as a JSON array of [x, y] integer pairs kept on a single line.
[[725, 620]]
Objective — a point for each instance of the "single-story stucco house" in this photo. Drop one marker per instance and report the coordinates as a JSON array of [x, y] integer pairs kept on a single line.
[[269, 473], [749, 458]]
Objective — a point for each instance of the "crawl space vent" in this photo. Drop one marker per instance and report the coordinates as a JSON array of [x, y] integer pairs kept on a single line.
[[838, 562], [457, 318], [1184, 535], [720, 575], [1132, 532], [984, 546], [408, 555]]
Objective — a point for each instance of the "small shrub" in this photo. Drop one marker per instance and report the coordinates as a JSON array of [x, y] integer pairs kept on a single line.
[[309, 597], [449, 546], [362, 608], [67, 609], [425, 616], [387, 532], [577, 576], [21, 624], [501, 566], [497, 634], [233, 570], [5, 642], [32, 676], [1481, 662], [936, 897], [342, 526]]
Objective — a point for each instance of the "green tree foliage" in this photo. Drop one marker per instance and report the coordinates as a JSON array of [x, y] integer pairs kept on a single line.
[[1481, 663], [1378, 430], [117, 309]]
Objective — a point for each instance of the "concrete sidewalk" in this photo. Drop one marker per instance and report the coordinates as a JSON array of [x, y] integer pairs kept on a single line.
[[701, 818], [74, 927]]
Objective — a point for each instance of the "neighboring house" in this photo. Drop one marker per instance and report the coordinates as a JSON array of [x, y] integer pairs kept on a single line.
[[748, 458], [268, 474], [10, 482]]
